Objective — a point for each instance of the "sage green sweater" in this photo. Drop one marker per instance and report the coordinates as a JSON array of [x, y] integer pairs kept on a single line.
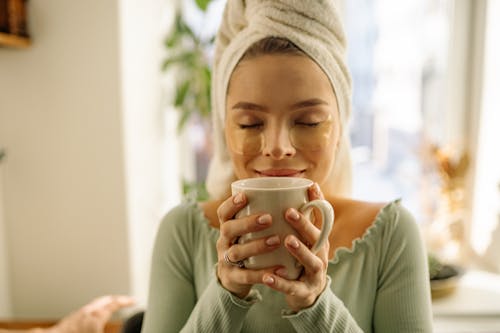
[[379, 285]]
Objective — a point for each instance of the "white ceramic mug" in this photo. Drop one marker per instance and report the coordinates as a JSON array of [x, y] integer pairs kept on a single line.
[[274, 195]]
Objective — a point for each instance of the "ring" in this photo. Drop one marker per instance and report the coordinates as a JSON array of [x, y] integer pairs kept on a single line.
[[228, 261]]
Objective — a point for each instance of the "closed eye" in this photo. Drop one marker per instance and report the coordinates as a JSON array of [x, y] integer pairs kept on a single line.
[[250, 126], [300, 123]]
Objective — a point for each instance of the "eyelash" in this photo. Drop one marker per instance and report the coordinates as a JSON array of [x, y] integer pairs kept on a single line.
[[251, 126], [255, 126], [308, 124]]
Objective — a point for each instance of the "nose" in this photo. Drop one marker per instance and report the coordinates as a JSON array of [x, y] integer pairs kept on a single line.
[[277, 143]]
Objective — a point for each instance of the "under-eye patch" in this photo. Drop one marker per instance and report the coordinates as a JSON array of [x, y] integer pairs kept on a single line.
[[251, 140]]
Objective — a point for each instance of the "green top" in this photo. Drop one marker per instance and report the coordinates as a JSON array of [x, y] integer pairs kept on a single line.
[[381, 284]]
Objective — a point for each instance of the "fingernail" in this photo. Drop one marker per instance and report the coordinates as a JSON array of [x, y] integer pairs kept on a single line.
[[274, 240], [264, 219], [293, 214], [238, 199], [281, 272], [315, 189], [269, 280], [293, 243]]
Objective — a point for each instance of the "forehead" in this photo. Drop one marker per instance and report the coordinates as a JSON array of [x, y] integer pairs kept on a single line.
[[279, 77]]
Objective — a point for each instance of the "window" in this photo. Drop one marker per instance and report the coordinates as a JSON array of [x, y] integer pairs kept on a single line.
[[397, 56]]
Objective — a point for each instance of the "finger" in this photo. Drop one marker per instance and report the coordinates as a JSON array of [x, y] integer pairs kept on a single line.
[[240, 252], [119, 302], [311, 262], [228, 209], [314, 192], [244, 225], [302, 225], [105, 306], [97, 304], [239, 280], [250, 276], [288, 287]]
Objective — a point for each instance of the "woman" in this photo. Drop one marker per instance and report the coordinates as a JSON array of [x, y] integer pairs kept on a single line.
[[281, 101]]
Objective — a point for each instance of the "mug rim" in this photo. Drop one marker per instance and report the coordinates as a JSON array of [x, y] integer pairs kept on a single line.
[[247, 183]]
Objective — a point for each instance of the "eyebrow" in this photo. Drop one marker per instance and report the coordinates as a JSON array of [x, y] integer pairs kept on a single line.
[[248, 106], [302, 104], [309, 103]]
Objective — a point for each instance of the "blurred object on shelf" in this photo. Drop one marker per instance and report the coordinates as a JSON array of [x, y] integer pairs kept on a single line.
[[444, 232], [16, 16], [14, 23], [444, 278], [4, 22]]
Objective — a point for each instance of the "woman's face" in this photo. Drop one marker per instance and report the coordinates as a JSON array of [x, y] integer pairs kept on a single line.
[[281, 118]]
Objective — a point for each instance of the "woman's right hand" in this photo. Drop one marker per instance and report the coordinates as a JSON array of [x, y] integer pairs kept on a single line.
[[240, 280]]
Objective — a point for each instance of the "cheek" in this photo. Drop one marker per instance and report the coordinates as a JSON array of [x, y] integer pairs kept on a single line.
[[245, 142], [314, 139]]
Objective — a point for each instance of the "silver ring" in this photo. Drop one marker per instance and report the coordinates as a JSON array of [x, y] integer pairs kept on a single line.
[[228, 261]]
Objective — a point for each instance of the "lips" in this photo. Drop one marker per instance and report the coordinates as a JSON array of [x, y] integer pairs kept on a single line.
[[280, 172]]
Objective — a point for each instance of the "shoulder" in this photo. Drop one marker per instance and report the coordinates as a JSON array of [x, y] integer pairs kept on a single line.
[[398, 221], [400, 238]]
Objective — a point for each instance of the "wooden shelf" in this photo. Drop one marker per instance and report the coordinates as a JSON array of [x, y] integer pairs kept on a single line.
[[111, 327], [14, 41]]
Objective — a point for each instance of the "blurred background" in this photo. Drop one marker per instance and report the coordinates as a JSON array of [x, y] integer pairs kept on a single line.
[[104, 126]]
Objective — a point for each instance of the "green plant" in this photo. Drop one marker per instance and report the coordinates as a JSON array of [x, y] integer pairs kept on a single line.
[[187, 55], [194, 191]]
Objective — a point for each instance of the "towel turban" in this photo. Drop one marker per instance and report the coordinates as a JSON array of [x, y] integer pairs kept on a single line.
[[314, 27]]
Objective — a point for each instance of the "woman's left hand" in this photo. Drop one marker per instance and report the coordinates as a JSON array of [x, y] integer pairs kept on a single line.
[[302, 293]]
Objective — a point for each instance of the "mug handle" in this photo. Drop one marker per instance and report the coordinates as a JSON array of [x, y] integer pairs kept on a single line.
[[327, 216]]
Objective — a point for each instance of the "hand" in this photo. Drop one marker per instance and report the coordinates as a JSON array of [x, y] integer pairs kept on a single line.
[[92, 317], [236, 279], [302, 293]]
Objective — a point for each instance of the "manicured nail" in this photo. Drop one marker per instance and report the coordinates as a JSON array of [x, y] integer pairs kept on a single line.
[[293, 243], [293, 214], [264, 219], [315, 189], [269, 280], [281, 272], [274, 240], [238, 199]]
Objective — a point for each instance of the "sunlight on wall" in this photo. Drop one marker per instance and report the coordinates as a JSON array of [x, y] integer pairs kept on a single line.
[[486, 213]]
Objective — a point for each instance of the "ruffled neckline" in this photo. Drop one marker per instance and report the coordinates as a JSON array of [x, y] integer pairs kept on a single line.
[[370, 233]]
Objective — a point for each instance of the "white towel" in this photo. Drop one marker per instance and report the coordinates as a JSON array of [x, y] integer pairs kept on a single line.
[[315, 27]]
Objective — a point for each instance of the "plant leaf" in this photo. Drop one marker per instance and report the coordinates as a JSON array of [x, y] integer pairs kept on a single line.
[[203, 4], [185, 115], [196, 191], [186, 58], [172, 40], [181, 93], [175, 36]]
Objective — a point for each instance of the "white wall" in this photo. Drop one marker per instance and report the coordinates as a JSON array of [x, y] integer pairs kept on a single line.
[[61, 120], [83, 185], [150, 152]]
